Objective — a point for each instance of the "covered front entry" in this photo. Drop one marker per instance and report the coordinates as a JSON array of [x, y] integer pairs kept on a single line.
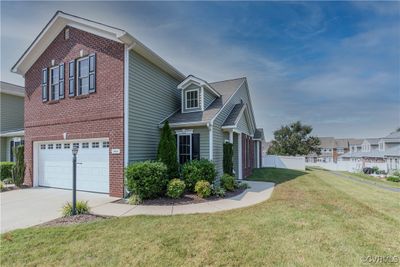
[[54, 164]]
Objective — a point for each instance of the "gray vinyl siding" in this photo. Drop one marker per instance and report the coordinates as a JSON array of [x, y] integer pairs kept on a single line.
[[189, 88], [3, 148], [218, 135], [11, 112], [153, 95], [204, 140], [243, 125], [208, 98]]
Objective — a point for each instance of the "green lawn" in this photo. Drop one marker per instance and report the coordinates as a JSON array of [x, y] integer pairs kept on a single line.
[[373, 179], [314, 218]]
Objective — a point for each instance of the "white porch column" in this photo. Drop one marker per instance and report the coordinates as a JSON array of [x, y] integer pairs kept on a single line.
[[231, 136], [240, 163]]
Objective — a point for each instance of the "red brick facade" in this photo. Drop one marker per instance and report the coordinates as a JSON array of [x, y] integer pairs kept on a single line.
[[247, 155], [100, 114]]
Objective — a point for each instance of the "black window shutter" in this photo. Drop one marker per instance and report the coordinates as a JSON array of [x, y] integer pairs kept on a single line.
[[92, 73], [62, 84], [45, 88], [195, 146], [71, 78]]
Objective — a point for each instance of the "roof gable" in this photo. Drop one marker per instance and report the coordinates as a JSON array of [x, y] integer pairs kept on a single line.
[[60, 20], [192, 80]]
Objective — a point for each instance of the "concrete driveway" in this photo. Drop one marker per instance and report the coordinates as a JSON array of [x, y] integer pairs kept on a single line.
[[28, 207]]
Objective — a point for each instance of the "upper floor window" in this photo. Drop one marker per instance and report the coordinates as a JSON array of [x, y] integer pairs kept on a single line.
[[192, 99], [54, 83], [86, 72]]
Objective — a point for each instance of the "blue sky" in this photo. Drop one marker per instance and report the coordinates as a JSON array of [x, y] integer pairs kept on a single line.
[[334, 65]]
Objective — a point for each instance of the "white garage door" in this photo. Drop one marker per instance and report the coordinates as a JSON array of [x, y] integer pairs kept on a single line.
[[55, 165]]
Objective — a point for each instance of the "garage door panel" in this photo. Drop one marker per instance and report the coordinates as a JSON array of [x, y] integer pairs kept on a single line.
[[55, 166]]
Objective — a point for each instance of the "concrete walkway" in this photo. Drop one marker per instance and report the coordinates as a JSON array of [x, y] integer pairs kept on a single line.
[[259, 192], [32, 206]]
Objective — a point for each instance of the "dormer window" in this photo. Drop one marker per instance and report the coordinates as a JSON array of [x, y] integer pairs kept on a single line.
[[192, 99]]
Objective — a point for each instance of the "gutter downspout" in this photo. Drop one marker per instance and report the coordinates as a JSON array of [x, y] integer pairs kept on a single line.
[[211, 140]]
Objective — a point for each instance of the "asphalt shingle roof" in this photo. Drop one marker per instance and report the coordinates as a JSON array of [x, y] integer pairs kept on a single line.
[[327, 142], [225, 88], [233, 116]]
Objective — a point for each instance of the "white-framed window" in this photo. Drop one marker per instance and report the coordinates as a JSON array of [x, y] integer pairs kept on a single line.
[[184, 148], [75, 145], [95, 145], [66, 146], [83, 76], [50, 146], [58, 146], [55, 83], [192, 99], [85, 145], [43, 146], [106, 144]]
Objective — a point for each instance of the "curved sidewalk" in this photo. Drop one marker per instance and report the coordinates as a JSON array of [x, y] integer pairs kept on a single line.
[[259, 192]]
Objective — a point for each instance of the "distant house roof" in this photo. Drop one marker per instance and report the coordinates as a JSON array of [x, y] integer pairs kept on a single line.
[[360, 154], [355, 142], [393, 135], [12, 89], [342, 143], [327, 142], [373, 141], [225, 88], [259, 134]]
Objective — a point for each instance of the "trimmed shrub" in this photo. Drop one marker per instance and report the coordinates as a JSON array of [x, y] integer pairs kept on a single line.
[[203, 188], [243, 185], [167, 151], [82, 207], [228, 182], [6, 170], [228, 158], [396, 173], [146, 179], [393, 179], [18, 171], [2, 186], [176, 188], [196, 170], [134, 200], [218, 191]]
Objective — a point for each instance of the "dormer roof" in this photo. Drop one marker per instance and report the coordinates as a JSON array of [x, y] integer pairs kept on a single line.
[[199, 82]]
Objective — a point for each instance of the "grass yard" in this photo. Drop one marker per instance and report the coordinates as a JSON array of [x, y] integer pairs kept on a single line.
[[314, 218], [373, 179]]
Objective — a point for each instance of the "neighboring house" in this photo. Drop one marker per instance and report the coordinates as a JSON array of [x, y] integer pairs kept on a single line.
[[381, 152], [95, 87], [327, 145], [11, 119], [355, 144]]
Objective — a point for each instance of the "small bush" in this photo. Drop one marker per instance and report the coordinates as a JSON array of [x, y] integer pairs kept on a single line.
[[134, 200], [396, 173], [375, 169], [243, 185], [2, 186], [82, 207], [203, 189], [196, 170], [393, 179], [176, 188], [6, 170], [228, 182], [218, 191], [8, 181], [146, 179], [18, 171]]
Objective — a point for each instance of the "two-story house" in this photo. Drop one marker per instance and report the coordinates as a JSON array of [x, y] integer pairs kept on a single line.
[[11, 119], [99, 89]]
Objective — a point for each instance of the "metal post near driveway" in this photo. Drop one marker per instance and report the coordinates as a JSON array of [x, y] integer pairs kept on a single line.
[[74, 153]]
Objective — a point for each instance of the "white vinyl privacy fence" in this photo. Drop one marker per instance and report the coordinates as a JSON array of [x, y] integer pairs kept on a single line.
[[285, 162]]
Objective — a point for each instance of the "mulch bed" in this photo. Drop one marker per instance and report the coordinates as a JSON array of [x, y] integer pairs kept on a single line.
[[187, 198], [77, 219], [13, 187]]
